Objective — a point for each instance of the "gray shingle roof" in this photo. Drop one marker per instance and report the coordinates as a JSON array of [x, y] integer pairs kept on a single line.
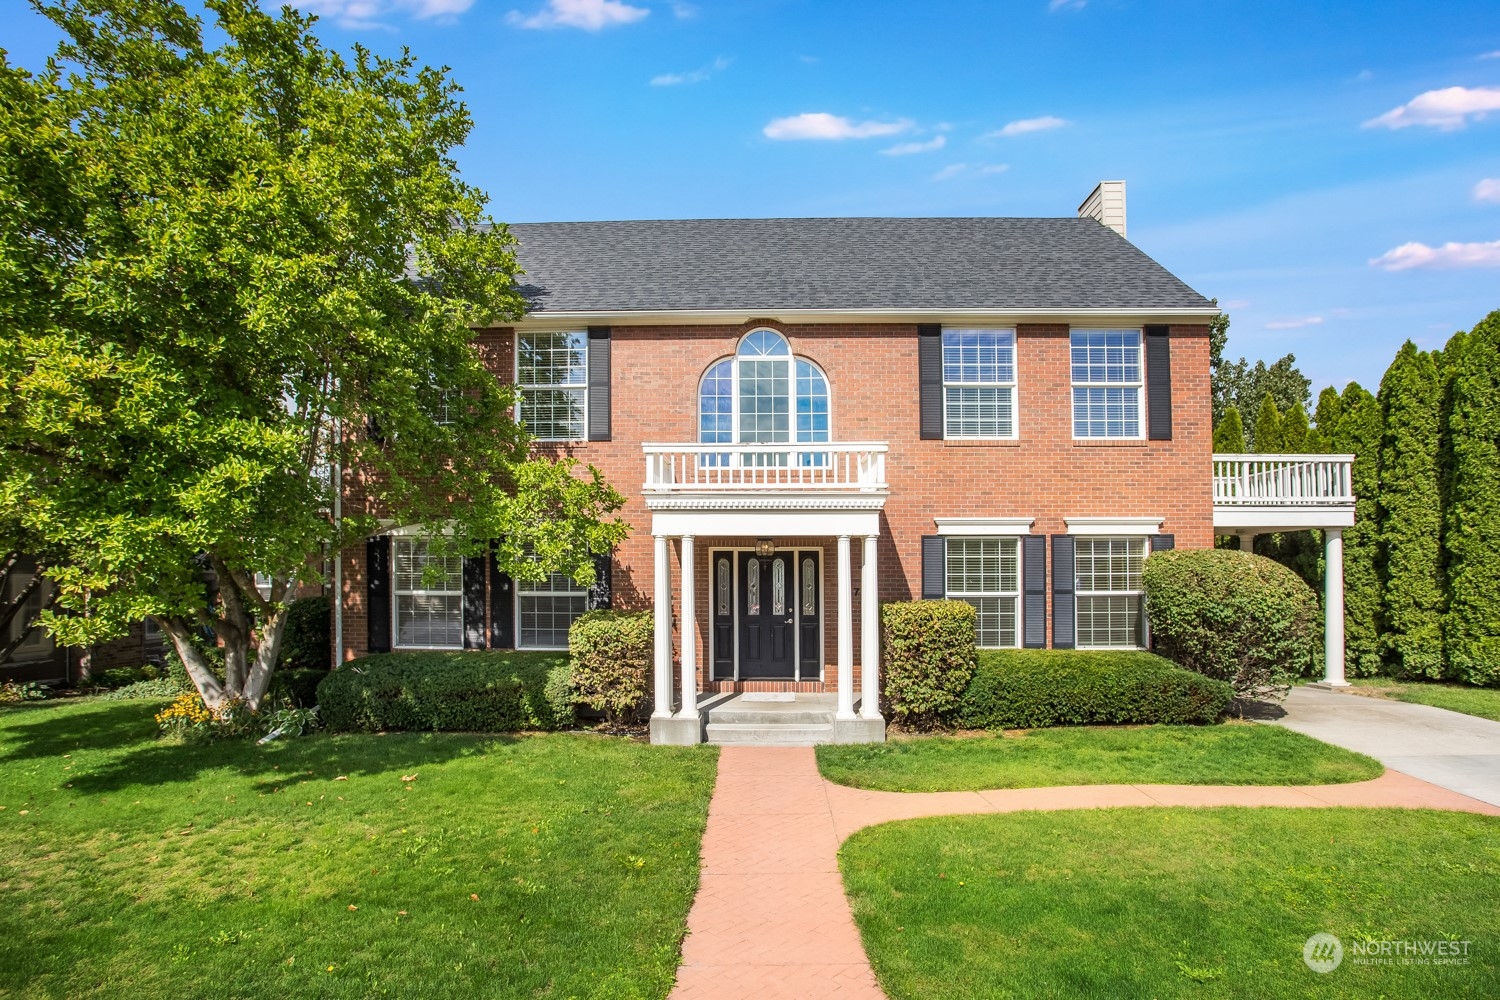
[[865, 263]]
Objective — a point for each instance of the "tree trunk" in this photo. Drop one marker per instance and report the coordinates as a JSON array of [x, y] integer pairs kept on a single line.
[[267, 651], [209, 688]]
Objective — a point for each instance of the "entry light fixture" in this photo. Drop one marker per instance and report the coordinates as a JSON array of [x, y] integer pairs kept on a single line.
[[765, 546]]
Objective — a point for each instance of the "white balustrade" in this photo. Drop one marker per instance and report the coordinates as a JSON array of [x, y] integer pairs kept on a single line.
[[1283, 480], [693, 468]]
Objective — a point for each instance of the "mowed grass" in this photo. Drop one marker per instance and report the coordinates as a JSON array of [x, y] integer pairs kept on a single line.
[[1483, 702], [1232, 753], [1162, 903], [551, 866]]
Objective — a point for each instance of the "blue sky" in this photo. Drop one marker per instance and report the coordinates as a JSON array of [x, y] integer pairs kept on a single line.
[[1331, 172]]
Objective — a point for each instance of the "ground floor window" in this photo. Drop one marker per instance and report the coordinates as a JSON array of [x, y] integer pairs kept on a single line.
[[1109, 591], [985, 572], [429, 606], [547, 609]]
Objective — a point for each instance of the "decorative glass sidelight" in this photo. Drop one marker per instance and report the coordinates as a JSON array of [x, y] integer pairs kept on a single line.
[[752, 588], [778, 587], [809, 588], [723, 588]]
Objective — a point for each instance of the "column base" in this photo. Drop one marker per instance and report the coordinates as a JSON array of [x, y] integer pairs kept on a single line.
[[1330, 685], [859, 730], [677, 730]]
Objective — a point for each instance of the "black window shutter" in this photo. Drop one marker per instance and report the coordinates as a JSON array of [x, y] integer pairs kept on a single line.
[[378, 593], [601, 594], [934, 567], [1158, 384], [474, 602], [1034, 591], [502, 608], [1064, 607], [1161, 542], [930, 376], [598, 362]]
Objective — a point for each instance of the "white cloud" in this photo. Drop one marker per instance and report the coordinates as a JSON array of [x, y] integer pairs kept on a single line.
[[1025, 125], [965, 169], [590, 15], [907, 148], [993, 168], [1066, 4], [695, 76], [1294, 324], [369, 13], [1446, 257], [949, 172], [1235, 304], [1446, 109], [821, 125], [684, 11], [1487, 190], [1491, 55]]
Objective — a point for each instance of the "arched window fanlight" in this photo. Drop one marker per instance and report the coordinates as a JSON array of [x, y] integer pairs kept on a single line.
[[763, 395]]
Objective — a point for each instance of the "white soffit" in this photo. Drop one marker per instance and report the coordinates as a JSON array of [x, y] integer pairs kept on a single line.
[[1114, 525], [984, 525]]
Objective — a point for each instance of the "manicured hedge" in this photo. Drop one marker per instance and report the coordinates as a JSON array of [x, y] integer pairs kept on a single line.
[[452, 691], [1035, 688], [612, 654], [928, 658]]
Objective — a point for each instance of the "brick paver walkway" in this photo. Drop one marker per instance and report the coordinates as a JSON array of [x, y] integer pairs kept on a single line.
[[771, 921]]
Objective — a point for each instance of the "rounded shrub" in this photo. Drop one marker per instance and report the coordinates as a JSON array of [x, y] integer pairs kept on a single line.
[[929, 659], [476, 691], [611, 656], [298, 687], [1235, 617], [307, 638]]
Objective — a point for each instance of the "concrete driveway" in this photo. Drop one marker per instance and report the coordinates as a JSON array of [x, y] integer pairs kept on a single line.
[[1458, 752]]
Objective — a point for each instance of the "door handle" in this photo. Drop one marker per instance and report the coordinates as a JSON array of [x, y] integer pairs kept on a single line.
[[790, 621]]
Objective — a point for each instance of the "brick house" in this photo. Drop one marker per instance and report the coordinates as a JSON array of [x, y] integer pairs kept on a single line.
[[811, 416]]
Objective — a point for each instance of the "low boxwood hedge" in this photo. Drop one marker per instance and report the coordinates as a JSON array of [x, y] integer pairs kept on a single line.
[[1034, 688], [453, 691]]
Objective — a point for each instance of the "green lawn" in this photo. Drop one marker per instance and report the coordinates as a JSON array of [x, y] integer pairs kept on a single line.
[[130, 868], [1232, 753], [1483, 702], [1159, 903]]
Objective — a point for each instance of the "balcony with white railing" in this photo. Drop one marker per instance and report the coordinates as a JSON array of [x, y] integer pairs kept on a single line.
[[1283, 491], [740, 469]]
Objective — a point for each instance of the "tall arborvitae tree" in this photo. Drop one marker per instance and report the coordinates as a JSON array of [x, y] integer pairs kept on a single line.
[[1267, 439], [1410, 515], [1294, 430], [1472, 625], [1326, 417], [1229, 436], [1359, 433]]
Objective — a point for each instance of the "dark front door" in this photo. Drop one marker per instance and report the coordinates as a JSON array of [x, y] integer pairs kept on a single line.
[[768, 616]]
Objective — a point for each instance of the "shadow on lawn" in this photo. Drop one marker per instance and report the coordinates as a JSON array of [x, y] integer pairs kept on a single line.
[[279, 765]]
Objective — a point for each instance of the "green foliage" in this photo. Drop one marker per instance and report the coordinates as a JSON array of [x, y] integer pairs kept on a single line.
[[1294, 430], [1410, 515], [1241, 385], [298, 688], [1267, 438], [1229, 435], [15, 692], [158, 689], [488, 692], [307, 640], [929, 659], [611, 654], [1360, 432], [561, 695], [1034, 688], [1233, 616], [118, 677], [220, 241], [1330, 410], [1472, 624], [290, 721]]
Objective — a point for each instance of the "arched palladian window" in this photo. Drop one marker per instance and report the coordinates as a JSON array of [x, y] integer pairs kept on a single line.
[[764, 395]]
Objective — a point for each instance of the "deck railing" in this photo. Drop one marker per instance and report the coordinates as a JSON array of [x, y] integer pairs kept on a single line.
[[1283, 480], [689, 468]]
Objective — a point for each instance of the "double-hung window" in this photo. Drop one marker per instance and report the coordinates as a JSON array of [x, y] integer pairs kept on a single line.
[[986, 572], [546, 609], [979, 383], [429, 606], [1106, 383], [1109, 591], [552, 374]]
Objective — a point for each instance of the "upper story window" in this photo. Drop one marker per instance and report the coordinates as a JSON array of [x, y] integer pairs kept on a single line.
[[763, 394], [979, 383], [552, 374], [1106, 383], [429, 610]]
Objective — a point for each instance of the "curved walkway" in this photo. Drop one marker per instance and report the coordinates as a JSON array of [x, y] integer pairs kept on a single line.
[[771, 920]]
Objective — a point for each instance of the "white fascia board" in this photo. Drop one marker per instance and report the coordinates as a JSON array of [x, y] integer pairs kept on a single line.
[[1114, 525], [1232, 519], [738, 317], [982, 526]]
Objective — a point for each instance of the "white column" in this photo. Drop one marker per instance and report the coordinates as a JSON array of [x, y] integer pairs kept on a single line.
[[846, 633], [1247, 541], [663, 650], [689, 707], [1333, 607], [869, 636]]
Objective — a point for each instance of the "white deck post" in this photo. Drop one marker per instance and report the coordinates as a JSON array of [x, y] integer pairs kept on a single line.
[[869, 639], [1333, 608], [663, 648], [689, 707], [846, 634]]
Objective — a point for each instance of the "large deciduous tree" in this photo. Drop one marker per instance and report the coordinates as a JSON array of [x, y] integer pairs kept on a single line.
[[225, 250]]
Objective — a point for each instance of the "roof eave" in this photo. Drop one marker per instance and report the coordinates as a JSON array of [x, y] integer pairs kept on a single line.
[[734, 317]]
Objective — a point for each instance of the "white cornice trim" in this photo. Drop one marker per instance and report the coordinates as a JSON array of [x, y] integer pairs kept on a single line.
[[978, 526], [761, 503], [1114, 525], [738, 317]]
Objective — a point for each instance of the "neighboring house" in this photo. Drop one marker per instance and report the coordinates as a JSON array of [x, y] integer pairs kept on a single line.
[[810, 416]]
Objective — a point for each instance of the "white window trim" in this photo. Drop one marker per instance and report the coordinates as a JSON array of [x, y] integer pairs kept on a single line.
[[1143, 538], [1140, 386], [1114, 525], [521, 592], [397, 593], [960, 595], [734, 390], [1014, 385], [983, 527], [522, 387]]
